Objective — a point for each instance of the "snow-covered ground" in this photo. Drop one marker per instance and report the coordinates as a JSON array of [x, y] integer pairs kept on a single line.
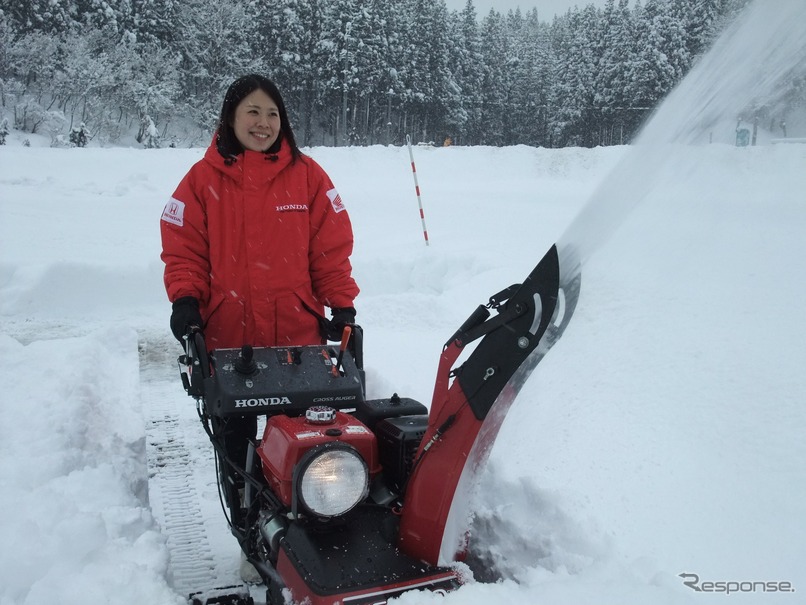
[[663, 435]]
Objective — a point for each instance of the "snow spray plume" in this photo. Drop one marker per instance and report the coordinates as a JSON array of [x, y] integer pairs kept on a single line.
[[753, 66]]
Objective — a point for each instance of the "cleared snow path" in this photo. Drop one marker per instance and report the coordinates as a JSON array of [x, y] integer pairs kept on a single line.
[[182, 489]]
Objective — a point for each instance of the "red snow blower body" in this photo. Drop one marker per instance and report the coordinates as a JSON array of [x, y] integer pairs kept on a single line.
[[349, 500]]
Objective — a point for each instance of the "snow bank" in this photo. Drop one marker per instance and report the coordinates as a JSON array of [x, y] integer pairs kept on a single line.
[[76, 525]]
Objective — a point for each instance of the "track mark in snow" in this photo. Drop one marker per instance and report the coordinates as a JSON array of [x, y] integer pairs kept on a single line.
[[175, 502], [181, 482]]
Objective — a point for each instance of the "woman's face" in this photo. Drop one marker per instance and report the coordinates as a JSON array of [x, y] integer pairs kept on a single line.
[[257, 121]]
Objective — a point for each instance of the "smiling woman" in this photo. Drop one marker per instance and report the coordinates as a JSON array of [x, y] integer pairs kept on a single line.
[[256, 243], [254, 117], [257, 121]]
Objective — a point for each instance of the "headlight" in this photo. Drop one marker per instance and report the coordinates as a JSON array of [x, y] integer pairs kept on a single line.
[[331, 479]]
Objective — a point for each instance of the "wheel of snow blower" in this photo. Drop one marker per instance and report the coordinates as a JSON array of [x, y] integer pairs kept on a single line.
[[232, 595], [274, 594]]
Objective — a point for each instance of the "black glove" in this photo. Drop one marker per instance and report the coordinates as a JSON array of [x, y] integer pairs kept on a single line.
[[340, 318], [185, 315]]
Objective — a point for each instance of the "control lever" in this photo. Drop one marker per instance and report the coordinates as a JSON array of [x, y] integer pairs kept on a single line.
[[245, 364], [345, 338]]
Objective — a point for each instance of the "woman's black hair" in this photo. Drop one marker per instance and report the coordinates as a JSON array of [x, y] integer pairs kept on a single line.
[[227, 143]]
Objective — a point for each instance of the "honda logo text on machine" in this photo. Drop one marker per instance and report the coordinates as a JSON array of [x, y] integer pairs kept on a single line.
[[262, 402]]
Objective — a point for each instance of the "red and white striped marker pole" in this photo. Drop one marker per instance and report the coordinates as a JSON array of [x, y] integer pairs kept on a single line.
[[417, 188]]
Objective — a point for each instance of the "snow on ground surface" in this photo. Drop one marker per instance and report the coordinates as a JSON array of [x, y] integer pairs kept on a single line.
[[663, 435]]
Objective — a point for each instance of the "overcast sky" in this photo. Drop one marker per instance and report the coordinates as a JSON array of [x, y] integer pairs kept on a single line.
[[546, 9]]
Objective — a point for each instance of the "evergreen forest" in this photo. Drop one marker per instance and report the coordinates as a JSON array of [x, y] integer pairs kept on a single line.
[[352, 72]]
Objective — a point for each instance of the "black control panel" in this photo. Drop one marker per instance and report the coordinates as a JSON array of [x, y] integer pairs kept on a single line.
[[281, 380]]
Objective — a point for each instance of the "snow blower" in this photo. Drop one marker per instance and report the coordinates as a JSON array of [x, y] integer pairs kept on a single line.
[[348, 500]]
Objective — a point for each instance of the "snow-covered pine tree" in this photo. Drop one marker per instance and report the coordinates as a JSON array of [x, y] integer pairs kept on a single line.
[[612, 74], [467, 66], [152, 21], [4, 130], [497, 78], [388, 86], [573, 118], [428, 83], [216, 45], [660, 59], [527, 119], [46, 16]]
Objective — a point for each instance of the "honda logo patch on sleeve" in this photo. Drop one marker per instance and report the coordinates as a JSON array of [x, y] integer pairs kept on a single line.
[[335, 200], [174, 212]]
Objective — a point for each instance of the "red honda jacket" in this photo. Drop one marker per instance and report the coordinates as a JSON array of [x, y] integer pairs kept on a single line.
[[263, 244]]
